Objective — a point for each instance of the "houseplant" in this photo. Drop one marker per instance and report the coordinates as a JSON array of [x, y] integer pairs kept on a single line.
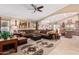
[[5, 34]]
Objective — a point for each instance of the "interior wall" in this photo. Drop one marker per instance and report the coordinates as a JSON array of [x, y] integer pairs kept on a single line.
[[46, 24], [73, 19], [17, 24]]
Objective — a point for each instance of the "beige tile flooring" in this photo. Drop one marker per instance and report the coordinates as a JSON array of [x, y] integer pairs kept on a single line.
[[67, 46], [46, 50]]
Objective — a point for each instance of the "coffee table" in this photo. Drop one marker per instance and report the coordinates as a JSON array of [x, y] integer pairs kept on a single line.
[[36, 37]]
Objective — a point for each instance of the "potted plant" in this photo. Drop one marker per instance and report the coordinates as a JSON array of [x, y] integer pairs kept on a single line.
[[5, 35]]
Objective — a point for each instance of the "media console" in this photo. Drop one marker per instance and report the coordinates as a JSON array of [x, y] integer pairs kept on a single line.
[[7, 45]]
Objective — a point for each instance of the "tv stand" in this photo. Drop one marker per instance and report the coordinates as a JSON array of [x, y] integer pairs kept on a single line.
[[7, 45]]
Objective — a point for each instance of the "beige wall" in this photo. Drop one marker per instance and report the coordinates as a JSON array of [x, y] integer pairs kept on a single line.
[[73, 19]]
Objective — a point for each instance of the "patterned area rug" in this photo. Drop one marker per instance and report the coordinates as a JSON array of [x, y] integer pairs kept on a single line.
[[46, 45]]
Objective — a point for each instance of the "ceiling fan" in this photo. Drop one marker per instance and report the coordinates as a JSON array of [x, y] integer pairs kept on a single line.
[[37, 8]]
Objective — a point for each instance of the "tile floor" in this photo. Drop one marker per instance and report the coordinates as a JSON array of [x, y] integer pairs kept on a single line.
[[65, 46]]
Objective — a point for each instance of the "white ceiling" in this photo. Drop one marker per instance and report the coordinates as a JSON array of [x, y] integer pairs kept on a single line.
[[22, 10]]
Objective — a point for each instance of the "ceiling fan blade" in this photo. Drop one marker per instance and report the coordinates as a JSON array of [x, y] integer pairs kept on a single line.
[[39, 10], [33, 6], [40, 7]]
